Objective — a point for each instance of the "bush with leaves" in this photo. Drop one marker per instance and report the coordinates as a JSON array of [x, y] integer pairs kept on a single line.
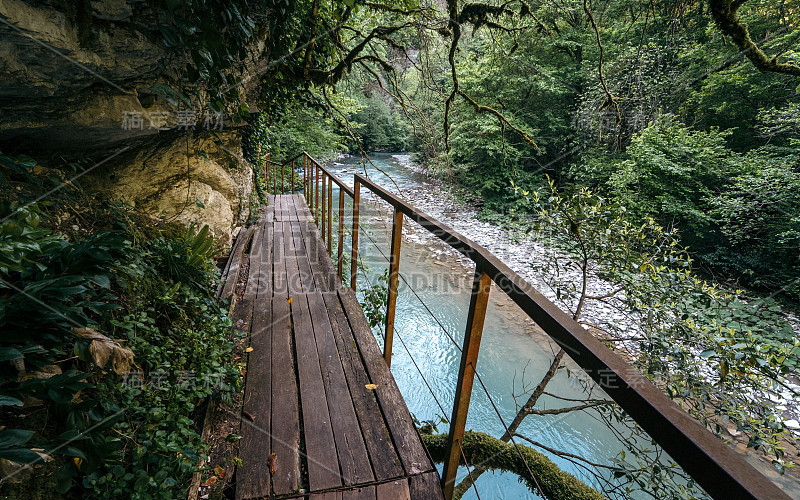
[[722, 357], [117, 404]]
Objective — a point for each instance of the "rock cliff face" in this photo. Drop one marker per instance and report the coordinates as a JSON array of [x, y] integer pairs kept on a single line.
[[83, 77], [206, 186]]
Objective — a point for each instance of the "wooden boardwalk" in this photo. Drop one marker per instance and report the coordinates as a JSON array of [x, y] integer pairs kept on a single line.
[[328, 421]]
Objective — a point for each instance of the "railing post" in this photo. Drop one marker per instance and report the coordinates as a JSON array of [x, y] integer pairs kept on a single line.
[[266, 175], [322, 215], [316, 194], [354, 252], [305, 178], [341, 232], [330, 212], [481, 286], [394, 271], [293, 175], [283, 184]]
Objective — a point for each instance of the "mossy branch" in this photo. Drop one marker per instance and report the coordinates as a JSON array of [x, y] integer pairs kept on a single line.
[[494, 454], [726, 17]]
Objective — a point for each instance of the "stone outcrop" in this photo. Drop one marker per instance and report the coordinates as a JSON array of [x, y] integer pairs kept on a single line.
[[71, 74], [205, 186]]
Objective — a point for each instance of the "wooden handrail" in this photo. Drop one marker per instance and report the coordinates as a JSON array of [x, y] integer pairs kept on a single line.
[[717, 468]]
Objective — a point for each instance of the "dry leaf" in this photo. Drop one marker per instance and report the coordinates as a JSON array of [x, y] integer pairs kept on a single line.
[[272, 461], [290, 300], [102, 349], [249, 349], [219, 471], [249, 415], [210, 481], [371, 387]]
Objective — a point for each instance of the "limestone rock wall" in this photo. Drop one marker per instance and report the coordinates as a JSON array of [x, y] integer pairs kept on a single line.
[[67, 83], [211, 185]]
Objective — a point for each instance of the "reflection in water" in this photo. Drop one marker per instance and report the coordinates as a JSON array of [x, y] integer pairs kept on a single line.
[[514, 354]]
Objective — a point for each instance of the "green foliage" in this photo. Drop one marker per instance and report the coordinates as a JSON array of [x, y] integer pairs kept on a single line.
[[669, 173], [374, 299], [213, 38], [301, 128], [722, 357], [760, 216], [130, 435], [380, 127]]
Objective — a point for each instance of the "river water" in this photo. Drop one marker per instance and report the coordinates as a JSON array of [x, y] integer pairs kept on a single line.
[[514, 353]]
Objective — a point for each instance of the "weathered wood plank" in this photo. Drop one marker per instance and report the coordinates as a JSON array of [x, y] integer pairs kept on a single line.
[[315, 249], [322, 463], [306, 275], [383, 456], [253, 479], [365, 493], [235, 259], [394, 490], [426, 486], [406, 439], [285, 404], [353, 459], [331, 495]]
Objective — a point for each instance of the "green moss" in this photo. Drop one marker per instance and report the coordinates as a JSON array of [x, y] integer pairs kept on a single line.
[[494, 454]]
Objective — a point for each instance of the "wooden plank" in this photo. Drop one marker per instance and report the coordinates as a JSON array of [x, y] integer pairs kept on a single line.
[[321, 265], [306, 275], [394, 490], [256, 248], [235, 260], [365, 493], [383, 456], [293, 276], [398, 419], [243, 306], [331, 495], [285, 405], [322, 463], [426, 486], [280, 286], [353, 459], [253, 479]]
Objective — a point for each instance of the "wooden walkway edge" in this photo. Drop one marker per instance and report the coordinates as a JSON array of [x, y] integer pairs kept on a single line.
[[318, 428]]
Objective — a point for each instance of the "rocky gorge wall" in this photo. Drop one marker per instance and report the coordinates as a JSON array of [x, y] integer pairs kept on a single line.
[[86, 79]]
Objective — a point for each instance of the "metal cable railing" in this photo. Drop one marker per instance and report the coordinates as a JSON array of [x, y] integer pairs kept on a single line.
[[717, 468], [480, 380], [427, 384]]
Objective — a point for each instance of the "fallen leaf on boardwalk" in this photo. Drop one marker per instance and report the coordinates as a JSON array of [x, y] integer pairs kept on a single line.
[[219, 471], [232, 438], [249, 349], [371, 387], [272, 461], [290, 300], [210, 481], [249, 416]]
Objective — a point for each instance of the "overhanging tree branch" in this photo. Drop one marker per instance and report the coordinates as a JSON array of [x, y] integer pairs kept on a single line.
[[726, 17]]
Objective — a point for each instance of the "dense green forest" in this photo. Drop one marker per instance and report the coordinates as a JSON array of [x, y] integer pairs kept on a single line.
[[655, 109], [655, 142]]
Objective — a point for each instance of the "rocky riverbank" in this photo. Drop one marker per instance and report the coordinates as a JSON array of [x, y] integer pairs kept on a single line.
[[524, 256]]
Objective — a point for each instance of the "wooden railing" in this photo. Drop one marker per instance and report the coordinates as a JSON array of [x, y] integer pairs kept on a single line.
[[715, 466]]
